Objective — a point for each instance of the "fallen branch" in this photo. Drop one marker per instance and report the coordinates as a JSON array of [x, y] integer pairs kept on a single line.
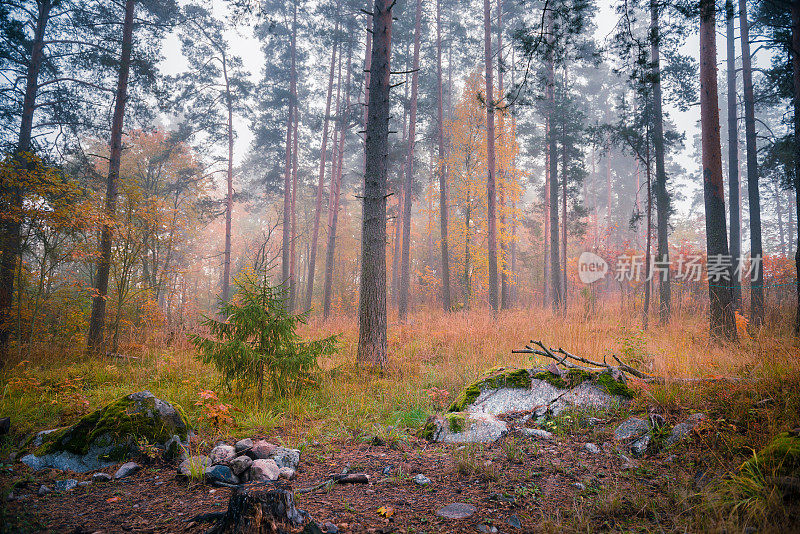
[[562, 357], [352, 478]]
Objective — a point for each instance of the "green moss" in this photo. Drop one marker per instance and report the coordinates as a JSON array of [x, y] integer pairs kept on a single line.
[[572, 378], [456, 421], [614, 387], [495, 378], [119, 424], [779, 458]]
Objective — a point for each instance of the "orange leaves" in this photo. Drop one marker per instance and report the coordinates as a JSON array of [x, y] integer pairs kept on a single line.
[[213, 411], [466, 168]]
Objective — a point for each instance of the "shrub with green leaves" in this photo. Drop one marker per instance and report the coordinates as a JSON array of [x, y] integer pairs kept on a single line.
[[257, 341]]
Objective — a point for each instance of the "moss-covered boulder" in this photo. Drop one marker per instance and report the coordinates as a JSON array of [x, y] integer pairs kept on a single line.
[[113, 433], [781, 458], [473, 415]]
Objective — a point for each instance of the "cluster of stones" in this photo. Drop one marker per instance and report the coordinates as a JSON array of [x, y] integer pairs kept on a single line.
[[245, 461], [637, 434]]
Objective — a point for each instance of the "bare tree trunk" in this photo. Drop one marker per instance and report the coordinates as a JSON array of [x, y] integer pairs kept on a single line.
[[564, 175], [648, 240], [753, 195], [440, 168], [490, 158], [405, 275], [722, 324], [555, 264], [336, 186], [795, 9], [226, 275], [287, 177], [779, 213], [293, 240], [398, 219], [11, 228], [372, 297], [546, 215], [733, 153], [662, 197], [98, 318], [312, 258], [504, 296]]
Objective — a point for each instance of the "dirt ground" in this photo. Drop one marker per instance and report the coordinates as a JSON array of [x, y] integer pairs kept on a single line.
[[517, 485]]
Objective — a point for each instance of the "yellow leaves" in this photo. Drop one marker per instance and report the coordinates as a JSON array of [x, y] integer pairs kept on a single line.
[[386, 511]]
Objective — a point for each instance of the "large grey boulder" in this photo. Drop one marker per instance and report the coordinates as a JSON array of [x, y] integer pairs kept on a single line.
[[473, 416], [111, 434]]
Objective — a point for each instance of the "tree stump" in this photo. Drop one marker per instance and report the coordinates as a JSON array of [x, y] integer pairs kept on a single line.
[[258, 508]]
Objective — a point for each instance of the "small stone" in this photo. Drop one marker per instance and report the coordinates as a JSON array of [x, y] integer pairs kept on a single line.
[[84, 483], [222, 454], [65, 485], [263, 470], [196, 464], [330, 528], [421, 479], [369, 491], [243, 445], [286, 457], [592, 448], [639, 447], [456, 510], [580, 485], [630, 429], [287, 473], [537, 433], [43, 490], [240, 464], [220, 473], [126, 469], [682, 430], [101, 477], [482, 527], [594, 421], [514, 521], [261, 450]]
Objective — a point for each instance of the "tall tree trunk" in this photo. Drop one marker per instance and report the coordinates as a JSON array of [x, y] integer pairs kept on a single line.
[[555, 264], [405, 275], [336, 186], [648, 240], [490, 158], [440, 168], [226, 275], [662, 197], [11, 228], [367, 71], [795, 9], [287, 176], [754, 199], [721, 307], [779, 213], [372, 297], [733, 153], [398, 219], [504, 296], [293, 196], [312, 258], [293, 240], [98, 318], [564, 175], [546, 214]]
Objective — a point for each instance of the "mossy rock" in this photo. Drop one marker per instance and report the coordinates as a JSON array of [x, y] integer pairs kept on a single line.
[[780, 458], [117, 431], [493, 379]]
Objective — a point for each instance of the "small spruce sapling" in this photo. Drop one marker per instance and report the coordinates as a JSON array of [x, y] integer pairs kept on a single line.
[[257, 339]]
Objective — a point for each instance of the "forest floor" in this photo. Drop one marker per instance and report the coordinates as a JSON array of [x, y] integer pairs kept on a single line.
[[369, 422]]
